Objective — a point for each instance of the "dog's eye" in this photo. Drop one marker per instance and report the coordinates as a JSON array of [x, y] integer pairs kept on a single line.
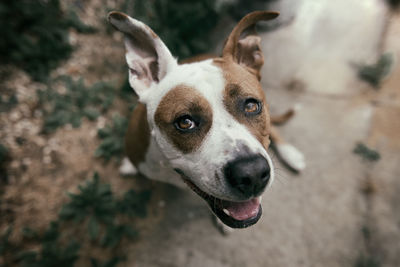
[[185, 123], [252, 106]]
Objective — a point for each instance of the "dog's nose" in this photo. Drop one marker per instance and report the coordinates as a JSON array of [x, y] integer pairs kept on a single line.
[[248, 174]]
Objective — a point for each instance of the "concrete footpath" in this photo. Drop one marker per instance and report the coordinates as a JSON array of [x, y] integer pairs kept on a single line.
[[342, 210]]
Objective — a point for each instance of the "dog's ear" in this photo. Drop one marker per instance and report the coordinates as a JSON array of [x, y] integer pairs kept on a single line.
[[243, 44], [148, 58]]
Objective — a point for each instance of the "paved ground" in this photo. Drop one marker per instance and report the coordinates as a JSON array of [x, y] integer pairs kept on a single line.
[[341, 210]]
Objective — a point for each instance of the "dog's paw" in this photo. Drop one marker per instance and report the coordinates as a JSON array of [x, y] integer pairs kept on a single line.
[[127, 168], [222, 228], [291, 156]]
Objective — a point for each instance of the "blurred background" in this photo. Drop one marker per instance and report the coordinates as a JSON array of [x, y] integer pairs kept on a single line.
[[64, 104]]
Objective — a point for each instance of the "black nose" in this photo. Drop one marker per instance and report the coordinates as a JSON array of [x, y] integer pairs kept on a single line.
[[248, 174]]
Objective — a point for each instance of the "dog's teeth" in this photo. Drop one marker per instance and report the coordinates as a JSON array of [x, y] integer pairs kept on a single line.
[[260, 198], [226, 212]]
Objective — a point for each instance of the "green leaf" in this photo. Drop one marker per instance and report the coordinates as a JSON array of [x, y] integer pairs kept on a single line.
[[95, 200], [134, 203], [93, 228], [75, 120], [29, 233], [28, 256], [113, 136], [91, 113], [366, 153], [4, 153], [104, 132], [110, 263]]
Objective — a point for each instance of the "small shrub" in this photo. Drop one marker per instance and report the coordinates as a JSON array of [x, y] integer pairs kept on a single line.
[[51, 253], [375, 73], [115, 233], [79, 101], [112, 144], [94, 200], [366, 153], [109, 263], [94, 205], [367, 261], [132, 203], [4, 158], [184, 26], [5, 245], [35, 35], [4, 154]]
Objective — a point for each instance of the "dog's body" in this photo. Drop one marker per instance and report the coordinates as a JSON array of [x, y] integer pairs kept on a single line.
[[203, 123]]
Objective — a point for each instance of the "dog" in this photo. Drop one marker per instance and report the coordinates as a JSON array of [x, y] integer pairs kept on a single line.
[[204, 123]]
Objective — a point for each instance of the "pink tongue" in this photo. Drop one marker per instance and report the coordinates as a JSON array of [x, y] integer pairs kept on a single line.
[[243, 210]]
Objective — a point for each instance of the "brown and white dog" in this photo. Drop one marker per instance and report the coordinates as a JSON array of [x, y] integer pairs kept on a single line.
[[205, 123]]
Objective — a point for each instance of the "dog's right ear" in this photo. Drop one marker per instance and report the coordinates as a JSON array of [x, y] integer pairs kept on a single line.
[[148, 58]]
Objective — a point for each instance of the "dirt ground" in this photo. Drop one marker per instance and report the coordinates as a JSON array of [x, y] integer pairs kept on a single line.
[[341, 211]]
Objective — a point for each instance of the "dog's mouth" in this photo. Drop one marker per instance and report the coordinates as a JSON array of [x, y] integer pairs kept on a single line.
[[233, 214]]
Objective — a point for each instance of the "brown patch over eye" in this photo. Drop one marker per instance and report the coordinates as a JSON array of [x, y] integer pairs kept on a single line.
[[244, 99], [185, 116]]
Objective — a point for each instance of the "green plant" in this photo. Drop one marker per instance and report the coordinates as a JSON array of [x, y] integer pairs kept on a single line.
[[4, 241], [96, 204], [77, 102], [115, 232], [366, 153], [375, 73], [104, 216], [184, 26], [95, 200], [4, 154], [132, 203], [110, 263], [35, 35], [367, 261], [52, 253], [112, 144], [4, 158]]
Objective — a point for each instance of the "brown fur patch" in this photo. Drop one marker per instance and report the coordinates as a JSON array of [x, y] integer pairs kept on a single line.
[[117, 16], [137, 139], [184, 100], [241, 84]]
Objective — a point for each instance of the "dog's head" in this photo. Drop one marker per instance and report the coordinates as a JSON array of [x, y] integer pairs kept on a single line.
[[209, 118]]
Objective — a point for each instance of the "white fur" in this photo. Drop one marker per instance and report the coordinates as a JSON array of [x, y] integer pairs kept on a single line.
[[127, 168], [292, 156], [222, 142], [226, 136], [157, 167]]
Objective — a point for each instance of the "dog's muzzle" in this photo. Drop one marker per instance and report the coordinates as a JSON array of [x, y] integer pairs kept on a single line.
[[248, 176]]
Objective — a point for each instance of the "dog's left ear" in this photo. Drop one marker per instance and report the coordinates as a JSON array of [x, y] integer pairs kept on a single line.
[[148, 58], [243, 44]]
